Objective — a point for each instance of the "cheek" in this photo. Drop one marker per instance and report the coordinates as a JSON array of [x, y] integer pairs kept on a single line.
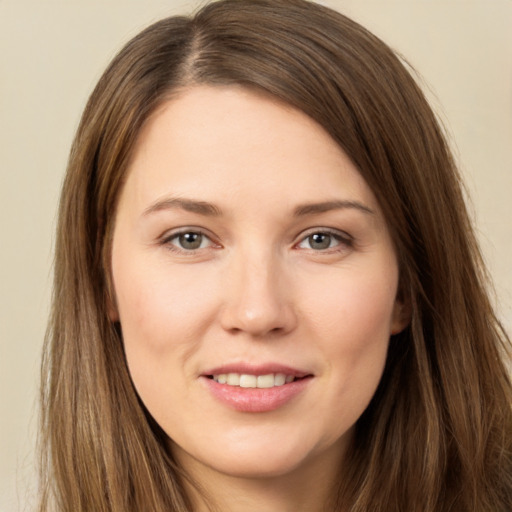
[[156, 305], [357, 342], [356, 305], [163, 317], [353, 321]]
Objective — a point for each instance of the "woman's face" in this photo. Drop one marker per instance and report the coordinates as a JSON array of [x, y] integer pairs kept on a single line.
[[248, 248]]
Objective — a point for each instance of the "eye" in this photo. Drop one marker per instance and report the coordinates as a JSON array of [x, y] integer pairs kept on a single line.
[[325, 240], [187, 241]]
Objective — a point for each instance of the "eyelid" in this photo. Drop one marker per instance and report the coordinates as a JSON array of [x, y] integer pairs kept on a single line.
[[165, 239], [342, 236]]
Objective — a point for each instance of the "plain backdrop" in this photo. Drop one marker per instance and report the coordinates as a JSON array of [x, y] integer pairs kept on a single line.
[[53, 52]]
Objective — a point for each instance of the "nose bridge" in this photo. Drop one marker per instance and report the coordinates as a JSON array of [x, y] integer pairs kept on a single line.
[[258, 301]]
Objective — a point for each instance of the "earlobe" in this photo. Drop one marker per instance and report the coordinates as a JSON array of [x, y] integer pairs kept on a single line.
[[113, 314], [401, 317], [110, 298]]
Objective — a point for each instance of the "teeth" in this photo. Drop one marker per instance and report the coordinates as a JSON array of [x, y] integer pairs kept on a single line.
[[265, 381], [248, 381], [233, 379], [245, 380], [280, 379]]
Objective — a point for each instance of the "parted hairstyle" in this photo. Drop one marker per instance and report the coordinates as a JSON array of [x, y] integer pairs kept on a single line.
[[437, 435]]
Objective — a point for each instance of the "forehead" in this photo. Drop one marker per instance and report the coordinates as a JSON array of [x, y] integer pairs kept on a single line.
[[224, 142]]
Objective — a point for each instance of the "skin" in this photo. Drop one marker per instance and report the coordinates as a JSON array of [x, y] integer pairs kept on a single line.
[[258, 290]]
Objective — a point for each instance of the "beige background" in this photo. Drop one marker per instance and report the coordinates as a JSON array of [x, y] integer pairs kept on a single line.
[[52, 53]]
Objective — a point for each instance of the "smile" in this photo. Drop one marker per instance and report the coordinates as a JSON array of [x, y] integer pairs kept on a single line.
[[256, 389], [245, 380]]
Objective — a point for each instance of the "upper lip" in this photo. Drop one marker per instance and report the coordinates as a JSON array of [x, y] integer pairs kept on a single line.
[[256, 369]]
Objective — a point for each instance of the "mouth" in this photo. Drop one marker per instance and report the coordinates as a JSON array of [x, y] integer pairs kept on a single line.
[[247, 380], [255, 389]]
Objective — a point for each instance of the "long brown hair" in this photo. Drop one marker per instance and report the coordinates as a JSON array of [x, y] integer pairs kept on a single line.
[[437, 435]]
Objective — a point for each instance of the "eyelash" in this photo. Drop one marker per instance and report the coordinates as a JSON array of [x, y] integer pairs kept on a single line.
[[344, 240], [167, 241]]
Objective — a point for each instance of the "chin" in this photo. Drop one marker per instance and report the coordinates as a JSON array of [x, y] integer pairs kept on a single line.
[[269, 458], [259, 466]]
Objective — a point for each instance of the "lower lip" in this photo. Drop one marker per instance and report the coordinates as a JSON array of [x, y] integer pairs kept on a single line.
[[256, 399]]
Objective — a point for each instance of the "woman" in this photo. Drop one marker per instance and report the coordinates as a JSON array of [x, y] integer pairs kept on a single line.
[[268, 295]]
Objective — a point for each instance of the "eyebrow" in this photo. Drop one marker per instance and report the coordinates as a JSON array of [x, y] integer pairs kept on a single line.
[[210, 210], [326, 206], [189, 205]]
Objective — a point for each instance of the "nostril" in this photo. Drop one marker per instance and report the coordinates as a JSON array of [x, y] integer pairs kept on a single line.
[[257, 313]]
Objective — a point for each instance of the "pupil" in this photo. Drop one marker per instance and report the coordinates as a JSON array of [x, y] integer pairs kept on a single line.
[[191, 240], [320, 241]]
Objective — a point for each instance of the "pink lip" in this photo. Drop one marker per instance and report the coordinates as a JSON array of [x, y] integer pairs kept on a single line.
[[261, 369], [255, 399]]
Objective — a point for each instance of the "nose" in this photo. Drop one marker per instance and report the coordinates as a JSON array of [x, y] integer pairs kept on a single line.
[[258, 298]]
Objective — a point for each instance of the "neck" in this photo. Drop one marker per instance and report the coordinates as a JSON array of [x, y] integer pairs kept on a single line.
[[310, 489]]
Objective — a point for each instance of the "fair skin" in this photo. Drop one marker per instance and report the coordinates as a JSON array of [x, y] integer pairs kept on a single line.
[[247, 243]]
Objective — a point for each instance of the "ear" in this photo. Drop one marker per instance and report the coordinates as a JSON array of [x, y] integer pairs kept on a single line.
[[111, 306], [401, 316], [112, 313]]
